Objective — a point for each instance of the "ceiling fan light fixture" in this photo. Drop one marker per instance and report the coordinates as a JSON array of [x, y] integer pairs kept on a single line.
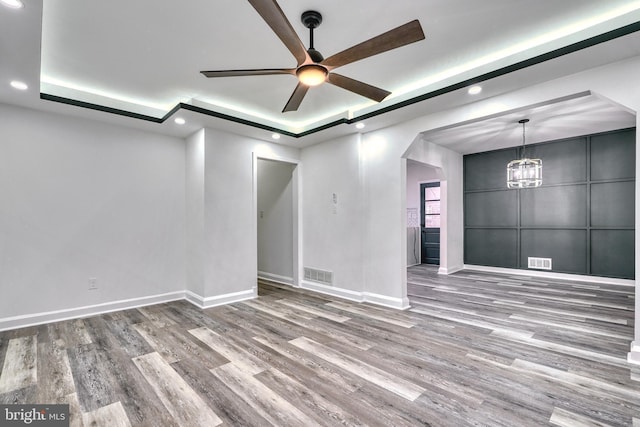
[[312, 69], [312, 75]]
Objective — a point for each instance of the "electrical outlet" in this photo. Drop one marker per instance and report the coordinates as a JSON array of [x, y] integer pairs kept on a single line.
[[93, 283]]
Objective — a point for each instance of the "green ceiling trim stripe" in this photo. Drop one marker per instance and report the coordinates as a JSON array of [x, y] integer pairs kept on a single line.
[[574, 47]]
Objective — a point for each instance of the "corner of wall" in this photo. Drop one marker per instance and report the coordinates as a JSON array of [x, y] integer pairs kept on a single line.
[[230, 298], [450, 270], [386, 301], [634, 355]]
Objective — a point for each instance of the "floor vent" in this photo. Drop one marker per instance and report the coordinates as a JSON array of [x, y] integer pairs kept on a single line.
[[540, 263], [320, 276]]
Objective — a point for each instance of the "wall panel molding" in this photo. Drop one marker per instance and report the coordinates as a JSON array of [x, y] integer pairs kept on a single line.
[[581, 217]]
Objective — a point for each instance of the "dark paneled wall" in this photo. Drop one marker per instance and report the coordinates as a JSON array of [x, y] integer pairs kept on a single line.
[[583, 215]]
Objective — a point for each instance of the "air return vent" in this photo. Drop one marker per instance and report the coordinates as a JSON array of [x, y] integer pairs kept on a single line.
[[320, 276], [540, 263]]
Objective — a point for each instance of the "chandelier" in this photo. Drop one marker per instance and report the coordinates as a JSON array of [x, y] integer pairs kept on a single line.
[[524, 172]]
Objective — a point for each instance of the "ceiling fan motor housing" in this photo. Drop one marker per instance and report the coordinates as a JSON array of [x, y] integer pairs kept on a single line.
[[315, 55], [311, 19]]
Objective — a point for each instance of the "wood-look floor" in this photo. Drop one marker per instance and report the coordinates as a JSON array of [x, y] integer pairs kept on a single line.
[[474, 349]]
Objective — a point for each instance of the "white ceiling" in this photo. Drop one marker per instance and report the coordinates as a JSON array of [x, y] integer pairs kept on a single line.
[[581, 114], [144, 56]]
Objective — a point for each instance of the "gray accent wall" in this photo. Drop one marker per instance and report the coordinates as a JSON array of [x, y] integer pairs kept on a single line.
[[582, 217]]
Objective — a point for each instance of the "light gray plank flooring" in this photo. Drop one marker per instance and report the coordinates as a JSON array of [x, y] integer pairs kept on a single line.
[[111, 415], [182, 402], [20, 364], [474, 349]]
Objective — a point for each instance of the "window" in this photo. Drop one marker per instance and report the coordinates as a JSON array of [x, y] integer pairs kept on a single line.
[[432, 207]]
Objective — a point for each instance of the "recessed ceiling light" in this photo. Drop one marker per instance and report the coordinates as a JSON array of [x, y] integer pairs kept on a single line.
[[13, 4], [474, 90], [275, 136], [180, 120], [359, 125], [19, 85]]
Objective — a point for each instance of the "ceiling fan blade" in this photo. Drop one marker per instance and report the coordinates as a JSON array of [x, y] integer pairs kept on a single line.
[[358, 87], [296, 98], [256, 72], [275, 18], [398, 37]]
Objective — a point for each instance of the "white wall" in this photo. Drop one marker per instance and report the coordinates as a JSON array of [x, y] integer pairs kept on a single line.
[[81, 199], [333, 232], [275, 220], [385, 195], [194, 157], [230, 236]]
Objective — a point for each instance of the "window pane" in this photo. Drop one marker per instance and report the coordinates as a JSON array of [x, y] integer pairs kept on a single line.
[[432, 221], [432, 207], [432, 193]]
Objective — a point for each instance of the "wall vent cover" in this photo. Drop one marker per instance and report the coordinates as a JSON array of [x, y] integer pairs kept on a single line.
[[320, 276], [540, 263]]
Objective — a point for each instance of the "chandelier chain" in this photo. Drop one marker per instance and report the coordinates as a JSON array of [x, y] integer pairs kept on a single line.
[[523, 142]]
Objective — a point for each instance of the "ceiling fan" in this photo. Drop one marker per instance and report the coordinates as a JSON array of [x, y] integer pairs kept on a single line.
[[313, 69]]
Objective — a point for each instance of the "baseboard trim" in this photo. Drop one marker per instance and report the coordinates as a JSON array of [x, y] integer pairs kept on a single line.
[[214, 301], [285, 280], [27, 320], [451, 270], [333, 291], [377, 299], [386, 301], [552, 275], [634, 355]]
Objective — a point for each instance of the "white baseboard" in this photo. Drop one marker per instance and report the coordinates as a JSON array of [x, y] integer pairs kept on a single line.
[[386, 301], [552, 275], [450, 270], [208, 302], [377, 299], [333, 291], [275, 278], [24, 321], [634, 355], [27, 320]]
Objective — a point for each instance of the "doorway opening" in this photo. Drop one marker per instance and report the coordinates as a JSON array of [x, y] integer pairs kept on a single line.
[[423, 213], [276, 202], [430, 223]]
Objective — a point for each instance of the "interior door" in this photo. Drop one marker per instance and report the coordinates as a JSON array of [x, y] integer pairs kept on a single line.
[[430, 222]]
